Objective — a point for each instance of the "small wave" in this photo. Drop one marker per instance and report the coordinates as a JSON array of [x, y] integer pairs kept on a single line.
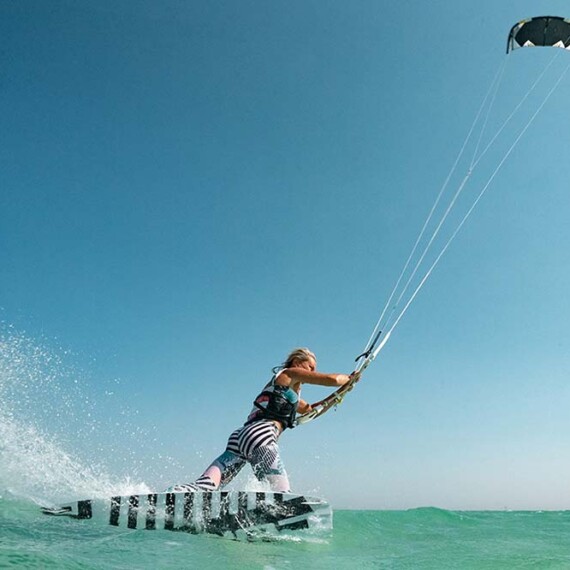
[[434, 513]]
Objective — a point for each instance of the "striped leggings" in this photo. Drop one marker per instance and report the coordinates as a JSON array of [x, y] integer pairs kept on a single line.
[[256, 444]]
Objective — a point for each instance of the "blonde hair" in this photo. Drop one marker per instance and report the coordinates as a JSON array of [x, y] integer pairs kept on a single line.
[[301, 354]]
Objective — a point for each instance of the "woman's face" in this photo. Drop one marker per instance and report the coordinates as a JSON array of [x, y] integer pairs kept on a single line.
[[309, 364]]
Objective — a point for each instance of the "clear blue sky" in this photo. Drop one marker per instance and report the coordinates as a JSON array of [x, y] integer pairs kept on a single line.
[[191, 189]]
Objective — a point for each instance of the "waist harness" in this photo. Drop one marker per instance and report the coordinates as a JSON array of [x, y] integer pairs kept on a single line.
[[277, 402]]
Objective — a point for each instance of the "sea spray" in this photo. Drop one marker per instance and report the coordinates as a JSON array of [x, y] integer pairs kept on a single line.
[[57, 438]]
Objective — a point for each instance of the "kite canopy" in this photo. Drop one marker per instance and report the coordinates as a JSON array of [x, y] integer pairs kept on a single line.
[[551, 31]]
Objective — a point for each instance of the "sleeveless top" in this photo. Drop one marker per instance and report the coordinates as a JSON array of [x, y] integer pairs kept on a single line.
[[275, 402]]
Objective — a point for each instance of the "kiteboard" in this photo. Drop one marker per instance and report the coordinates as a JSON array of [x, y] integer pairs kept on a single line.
[[232, 514]]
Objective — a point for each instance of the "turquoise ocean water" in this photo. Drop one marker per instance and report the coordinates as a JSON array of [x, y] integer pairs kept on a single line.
[[54, 438], [418, 538]]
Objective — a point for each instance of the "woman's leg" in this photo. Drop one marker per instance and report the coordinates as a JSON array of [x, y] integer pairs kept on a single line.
[[222, 470], [267, 466]]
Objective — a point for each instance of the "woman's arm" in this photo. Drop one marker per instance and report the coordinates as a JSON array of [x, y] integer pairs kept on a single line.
[[304, 407], [294, 377]]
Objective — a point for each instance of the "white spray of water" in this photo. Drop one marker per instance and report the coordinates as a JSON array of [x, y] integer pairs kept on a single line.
[[45, 411]]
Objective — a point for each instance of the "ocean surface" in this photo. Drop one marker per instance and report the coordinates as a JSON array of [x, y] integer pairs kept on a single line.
[[418, 538]]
